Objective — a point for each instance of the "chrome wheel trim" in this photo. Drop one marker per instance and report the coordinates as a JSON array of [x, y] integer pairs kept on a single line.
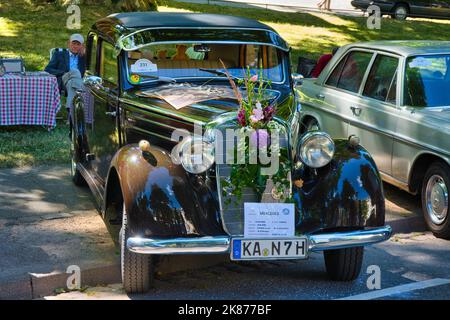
[[437, 198], [401, 12]]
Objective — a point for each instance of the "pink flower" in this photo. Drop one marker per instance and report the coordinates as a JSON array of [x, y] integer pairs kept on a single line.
[[254, 78], [257, 113], [259, 138]]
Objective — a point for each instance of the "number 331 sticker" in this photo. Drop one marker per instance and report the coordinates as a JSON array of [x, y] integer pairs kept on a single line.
[[143, 66]]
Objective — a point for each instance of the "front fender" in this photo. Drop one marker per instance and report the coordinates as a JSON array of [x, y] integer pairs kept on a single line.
[[346, 194], [161, 199]]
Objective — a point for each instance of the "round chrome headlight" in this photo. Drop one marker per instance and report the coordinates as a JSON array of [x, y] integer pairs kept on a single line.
[[196, 155], [316, 149]]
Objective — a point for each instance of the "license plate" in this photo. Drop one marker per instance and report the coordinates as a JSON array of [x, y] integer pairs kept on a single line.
[[269, 249]]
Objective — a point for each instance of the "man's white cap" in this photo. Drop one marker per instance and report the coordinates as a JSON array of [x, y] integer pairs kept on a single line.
[[77, 37]]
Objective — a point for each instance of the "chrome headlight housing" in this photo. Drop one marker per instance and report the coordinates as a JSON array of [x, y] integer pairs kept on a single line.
[[195, 155], [316, 149]]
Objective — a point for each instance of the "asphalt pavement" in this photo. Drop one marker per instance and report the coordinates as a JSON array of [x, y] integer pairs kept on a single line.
[[412, 266], [47, 224]]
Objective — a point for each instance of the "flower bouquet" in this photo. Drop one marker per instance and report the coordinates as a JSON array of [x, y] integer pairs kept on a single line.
[[260, 145]]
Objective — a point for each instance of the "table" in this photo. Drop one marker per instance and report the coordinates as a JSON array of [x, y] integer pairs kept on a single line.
[[29, 99]]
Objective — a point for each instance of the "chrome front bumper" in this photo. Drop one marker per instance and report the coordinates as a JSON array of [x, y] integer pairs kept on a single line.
[[221, 244]]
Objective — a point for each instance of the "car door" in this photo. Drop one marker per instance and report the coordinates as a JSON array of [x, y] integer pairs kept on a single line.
[[421, 8], [440, 8], [329, 99], [374, 116], [341, 88], [103, 133]]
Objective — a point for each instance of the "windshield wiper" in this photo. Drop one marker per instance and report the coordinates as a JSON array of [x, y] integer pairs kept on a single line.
[[162, 79], [219, 73]]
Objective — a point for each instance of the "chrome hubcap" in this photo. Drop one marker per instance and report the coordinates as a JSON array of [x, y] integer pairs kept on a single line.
[[437, 199], [400, 12]]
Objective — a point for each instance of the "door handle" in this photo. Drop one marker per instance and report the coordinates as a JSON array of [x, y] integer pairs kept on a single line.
[[320, 96], [111, 114], [356, 111]]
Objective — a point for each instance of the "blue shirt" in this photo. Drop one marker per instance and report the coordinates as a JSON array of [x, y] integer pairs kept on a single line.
[[73, 61]]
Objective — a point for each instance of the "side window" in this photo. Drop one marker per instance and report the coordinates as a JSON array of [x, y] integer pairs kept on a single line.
[[381, 83], [108, 63], [334, 77], [349, 74], [92, 51]]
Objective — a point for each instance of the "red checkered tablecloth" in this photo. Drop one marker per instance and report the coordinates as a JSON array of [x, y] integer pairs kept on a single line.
[[29, 99]]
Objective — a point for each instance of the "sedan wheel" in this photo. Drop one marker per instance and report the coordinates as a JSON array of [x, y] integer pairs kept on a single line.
[[137, 269], [400, 12], [77, 178], [344, 264], [435, 199]]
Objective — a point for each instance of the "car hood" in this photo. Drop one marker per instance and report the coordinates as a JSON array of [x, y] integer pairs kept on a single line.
[[189, 102]]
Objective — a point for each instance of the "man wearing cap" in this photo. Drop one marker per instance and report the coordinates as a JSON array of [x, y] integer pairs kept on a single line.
[[69, 65], [64, 60]]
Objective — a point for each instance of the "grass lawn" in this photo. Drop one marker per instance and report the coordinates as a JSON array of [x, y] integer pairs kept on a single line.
[[30, 32]]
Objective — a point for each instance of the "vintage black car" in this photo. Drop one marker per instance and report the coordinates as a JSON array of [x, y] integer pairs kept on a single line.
[[150, 74]]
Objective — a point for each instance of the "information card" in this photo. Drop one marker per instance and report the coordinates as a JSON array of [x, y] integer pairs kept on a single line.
[[269, 220]]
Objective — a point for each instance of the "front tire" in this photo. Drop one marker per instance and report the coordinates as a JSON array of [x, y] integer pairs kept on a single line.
[[344, 264], [435, 199], [77, 177], [137, 269]]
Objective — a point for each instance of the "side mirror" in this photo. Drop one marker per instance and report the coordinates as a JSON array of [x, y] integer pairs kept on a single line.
[[93, 81], [298, 79]]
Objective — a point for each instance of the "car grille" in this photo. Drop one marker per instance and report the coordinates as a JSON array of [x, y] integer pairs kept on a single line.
[[232, 212]]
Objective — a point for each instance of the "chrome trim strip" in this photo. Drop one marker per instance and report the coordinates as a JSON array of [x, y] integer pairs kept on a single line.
[[152, 114], [123, 37], [148, 121], [222, 244], [97, 189], [149, 132], [395, 182], [170, 114], [205, 245], [340, 240], [391, 134]]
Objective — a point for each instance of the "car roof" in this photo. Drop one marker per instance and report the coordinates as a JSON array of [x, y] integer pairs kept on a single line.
[[175, 19], [129, 31], [406, 47]]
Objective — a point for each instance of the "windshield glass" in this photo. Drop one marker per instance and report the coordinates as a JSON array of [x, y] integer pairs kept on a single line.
[[427, 81], [177, 61]]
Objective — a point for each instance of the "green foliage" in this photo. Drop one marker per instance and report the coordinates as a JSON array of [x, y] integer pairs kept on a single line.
[[33, 145]]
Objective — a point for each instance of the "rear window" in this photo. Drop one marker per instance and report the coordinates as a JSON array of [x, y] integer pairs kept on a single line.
[[427, 81]]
